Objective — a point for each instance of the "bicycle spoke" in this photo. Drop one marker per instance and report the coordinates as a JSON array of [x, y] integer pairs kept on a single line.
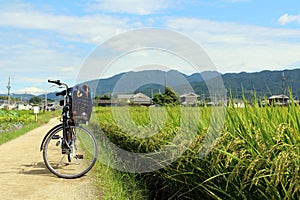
[[74, 161]]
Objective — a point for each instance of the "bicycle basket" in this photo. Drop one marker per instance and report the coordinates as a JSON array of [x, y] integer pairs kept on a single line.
[[82, 103]]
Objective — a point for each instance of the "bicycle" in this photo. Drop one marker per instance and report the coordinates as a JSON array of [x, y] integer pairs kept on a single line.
[[69, 150]]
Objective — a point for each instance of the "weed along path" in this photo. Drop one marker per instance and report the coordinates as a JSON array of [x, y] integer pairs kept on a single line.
[[23, 174]]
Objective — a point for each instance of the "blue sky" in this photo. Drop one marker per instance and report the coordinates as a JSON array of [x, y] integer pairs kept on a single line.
[[42, 39]]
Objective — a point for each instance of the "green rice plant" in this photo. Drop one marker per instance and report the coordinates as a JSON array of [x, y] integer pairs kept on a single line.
[[257, 154]]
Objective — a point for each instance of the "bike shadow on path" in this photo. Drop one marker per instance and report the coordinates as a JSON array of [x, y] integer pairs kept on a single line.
[[37, 168]]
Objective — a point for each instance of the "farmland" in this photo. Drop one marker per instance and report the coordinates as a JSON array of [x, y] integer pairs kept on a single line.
[[14, 123], [256, 155], [12, 119]]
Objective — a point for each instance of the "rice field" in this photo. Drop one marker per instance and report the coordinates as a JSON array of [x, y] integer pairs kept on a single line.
[[14, 123], [11, 119], [256, 154]]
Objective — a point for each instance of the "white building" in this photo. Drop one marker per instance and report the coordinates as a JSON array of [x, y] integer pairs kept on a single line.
[[189, 99], [137, 99]]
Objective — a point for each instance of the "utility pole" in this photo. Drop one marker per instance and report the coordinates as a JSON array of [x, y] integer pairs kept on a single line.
[[283, 78], [26, 98], [8, 92], [45, 103], [152, 93]]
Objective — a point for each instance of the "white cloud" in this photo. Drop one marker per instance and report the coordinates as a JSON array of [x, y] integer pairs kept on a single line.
[[89, 28], [35, 58], [50, 46], [139, 7], [234, 47], [30, 90], [68, 69], [286, 18]]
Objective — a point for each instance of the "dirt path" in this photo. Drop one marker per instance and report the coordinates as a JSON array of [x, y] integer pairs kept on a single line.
[[23, 174]]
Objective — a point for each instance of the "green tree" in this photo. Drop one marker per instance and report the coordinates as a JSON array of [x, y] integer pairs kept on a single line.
[[158, 99], [11, 98], [171, 97], [105, 97], [168, 98], [35, 100]]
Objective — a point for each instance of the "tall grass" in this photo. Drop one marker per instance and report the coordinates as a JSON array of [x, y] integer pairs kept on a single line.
[[257, 155]]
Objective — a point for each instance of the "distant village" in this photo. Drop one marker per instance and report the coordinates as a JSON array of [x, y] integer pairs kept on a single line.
[[189, 99], [141, 99]]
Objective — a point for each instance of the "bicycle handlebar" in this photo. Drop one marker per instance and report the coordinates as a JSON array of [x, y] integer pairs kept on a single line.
[[57, 82]]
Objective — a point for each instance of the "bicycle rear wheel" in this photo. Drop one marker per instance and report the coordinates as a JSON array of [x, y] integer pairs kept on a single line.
[[72, 160]]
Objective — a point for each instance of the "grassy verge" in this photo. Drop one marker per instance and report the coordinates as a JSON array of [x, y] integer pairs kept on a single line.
[[114, 184], [118, 185], [42, 119]]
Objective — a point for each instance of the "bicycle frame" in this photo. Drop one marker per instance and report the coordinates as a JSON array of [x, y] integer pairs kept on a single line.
[[73, 160], [66, 114]]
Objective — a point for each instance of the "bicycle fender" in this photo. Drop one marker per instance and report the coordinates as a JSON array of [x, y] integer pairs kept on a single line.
[[49, 132]]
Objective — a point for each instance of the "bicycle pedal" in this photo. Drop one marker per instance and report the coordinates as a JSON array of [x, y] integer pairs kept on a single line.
[[55, 137], [79, 156]]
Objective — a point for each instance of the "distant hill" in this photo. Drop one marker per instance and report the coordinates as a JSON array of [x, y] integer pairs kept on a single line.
[[20, 96], [264, 83]]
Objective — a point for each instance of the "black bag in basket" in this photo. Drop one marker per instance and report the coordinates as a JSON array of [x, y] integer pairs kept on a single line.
[[82, 103]]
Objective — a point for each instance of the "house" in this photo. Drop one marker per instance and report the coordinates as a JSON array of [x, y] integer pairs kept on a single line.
[[52, 106], [278, 100], [9, 105], [141, 99], [23, 105], [124, 98], [239, 104], [2, 104], [104, 103], [135, 99], [189, 99]]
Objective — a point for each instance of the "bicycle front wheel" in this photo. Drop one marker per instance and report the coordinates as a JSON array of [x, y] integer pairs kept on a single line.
[[74, 159]]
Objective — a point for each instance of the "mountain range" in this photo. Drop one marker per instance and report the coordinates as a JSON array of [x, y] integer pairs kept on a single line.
[[149, 82], [264, 83]]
